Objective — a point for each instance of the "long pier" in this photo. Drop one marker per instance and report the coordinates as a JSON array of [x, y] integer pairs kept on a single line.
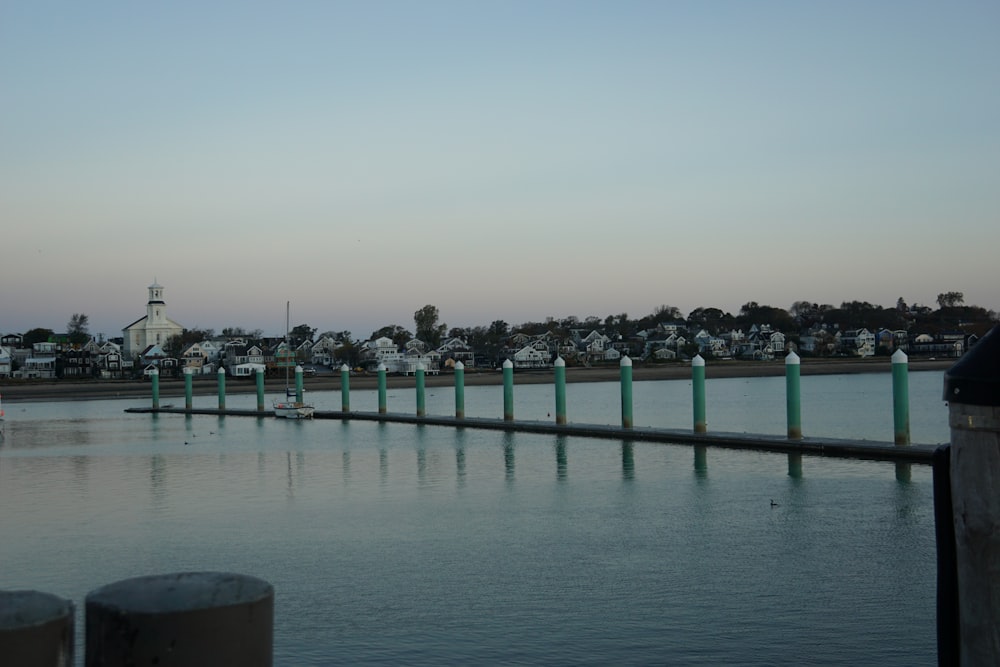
[[829, 447]]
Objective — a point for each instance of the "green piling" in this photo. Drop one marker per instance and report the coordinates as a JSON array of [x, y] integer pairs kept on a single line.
[[508, 390], [626, 369], [421, 402], [793, 400], [459, 390], [298, 384], [222, 387], [345, 388], [560, 370], [698, 393], [900, 398], [154, 378], [188, 388], [382, 406], [260, 389]]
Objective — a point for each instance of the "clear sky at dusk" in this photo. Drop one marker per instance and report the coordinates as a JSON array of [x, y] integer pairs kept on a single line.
[[505, 160]]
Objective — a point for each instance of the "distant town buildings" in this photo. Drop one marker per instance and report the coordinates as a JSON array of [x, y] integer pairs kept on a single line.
[[157, 342]]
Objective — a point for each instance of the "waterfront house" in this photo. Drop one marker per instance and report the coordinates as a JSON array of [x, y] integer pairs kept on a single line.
[[11, 341], [530, 357], [6, 362]]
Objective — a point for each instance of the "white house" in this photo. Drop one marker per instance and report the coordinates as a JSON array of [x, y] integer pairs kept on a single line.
[[5, 362], [153, 329], [530, 357]]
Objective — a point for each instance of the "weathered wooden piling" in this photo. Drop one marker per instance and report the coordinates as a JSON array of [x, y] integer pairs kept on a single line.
[[345, 388], [900, 398], [221, 375], [459, 390], [421, 400], [626, 382], [560, 376], [382, 402], [793, 396], [154, 379], [260, 389], [972, 389], [188, 387], [188, 618], [698, 393], [36, 629], [508, 390]]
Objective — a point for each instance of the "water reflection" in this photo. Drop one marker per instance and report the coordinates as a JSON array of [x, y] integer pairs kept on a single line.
[[904, 472], [508, 455], [158, 481], [460, 436], [700, 461], [628, 460], [346, 461], [383, 465], [561, 464], [795, 465]]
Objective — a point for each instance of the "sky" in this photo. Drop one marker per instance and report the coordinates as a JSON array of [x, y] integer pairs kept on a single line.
[[510, 160]]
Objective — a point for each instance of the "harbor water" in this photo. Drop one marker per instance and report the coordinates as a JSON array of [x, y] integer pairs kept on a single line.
[[399, 544]]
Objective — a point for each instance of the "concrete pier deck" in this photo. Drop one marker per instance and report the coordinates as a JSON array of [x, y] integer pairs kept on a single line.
[[815, 446]]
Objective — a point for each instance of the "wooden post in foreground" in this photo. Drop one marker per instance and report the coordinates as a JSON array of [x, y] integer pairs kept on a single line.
[[188, 618], [972, 389], [36, 629]]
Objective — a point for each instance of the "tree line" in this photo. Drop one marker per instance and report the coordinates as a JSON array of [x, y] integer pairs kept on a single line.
[[952, 313]]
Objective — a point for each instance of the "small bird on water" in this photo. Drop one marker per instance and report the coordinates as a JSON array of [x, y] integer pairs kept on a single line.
[[773, 504]]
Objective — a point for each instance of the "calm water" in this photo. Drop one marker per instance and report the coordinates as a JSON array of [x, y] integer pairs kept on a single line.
[[396, 544]]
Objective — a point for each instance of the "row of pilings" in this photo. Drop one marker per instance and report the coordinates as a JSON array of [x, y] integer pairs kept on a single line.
[[900, 393]]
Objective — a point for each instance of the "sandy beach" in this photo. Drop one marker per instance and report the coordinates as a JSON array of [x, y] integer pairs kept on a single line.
[[40, 390]]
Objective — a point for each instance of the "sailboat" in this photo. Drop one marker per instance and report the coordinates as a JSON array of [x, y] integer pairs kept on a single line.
[[290, 408]]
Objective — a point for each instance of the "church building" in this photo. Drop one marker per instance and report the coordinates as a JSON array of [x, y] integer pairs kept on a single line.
[[153, 329]]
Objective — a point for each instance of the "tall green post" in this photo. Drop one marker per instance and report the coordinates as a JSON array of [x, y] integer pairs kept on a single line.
[[626, 370], [508, 390], [221, 375], [698, 393], [154, 378], [421, 403], [299, 391], [260, 389], [188, 387], [459, 390], [382, 405], [793, 399], [560, 371], [900, 398], [345, 388]]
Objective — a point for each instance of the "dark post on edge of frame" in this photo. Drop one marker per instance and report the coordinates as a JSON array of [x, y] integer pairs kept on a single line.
[[972, 389]]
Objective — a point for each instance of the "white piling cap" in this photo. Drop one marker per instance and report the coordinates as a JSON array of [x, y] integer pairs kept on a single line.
[[899, 357], [222, 370], [698, 360], [345, 367], [420, 366], [188, 370], [792, 359], [559, 362], [626, 361], [155, 371], [508, 363], [459, 366], [381, 366]]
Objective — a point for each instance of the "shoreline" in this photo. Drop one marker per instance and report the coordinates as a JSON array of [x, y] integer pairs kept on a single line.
[[45, 390]]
